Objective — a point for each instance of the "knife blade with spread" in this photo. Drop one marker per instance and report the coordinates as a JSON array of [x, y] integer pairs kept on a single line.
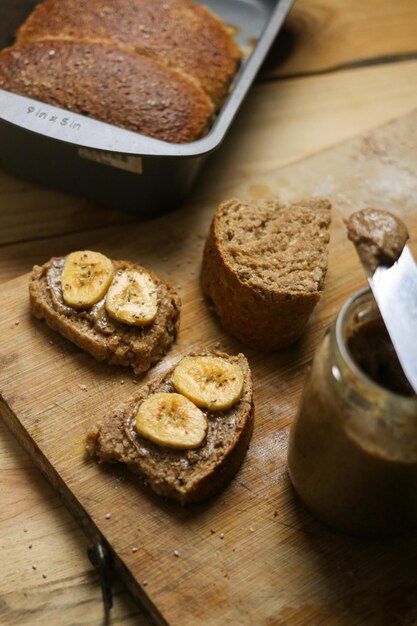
[[380, 240]]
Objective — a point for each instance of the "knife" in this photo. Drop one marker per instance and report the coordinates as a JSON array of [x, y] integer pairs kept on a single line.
[[395, 291]]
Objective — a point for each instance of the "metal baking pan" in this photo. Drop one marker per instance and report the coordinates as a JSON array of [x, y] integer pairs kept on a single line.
[[109, 165]]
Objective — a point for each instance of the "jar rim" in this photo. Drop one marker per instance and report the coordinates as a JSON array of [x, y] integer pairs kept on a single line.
[[350, 362]]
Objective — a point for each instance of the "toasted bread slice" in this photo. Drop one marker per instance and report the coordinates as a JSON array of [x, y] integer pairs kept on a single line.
[[264, 267], [116, 86], [184, 475], [94, 331], [180, 33]]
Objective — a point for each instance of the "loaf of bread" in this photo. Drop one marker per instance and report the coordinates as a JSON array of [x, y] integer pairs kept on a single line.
[[93, 330], [184, 475], [264, 266], [157, 67], [109, 84], [180, 33]]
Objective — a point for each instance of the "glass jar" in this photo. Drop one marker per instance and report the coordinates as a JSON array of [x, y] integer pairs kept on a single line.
[[353, 445]]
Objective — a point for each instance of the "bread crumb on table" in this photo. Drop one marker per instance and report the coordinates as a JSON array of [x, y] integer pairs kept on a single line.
[[176, 553], [134, 549], [221, 535], [108, 515], [83, 387]]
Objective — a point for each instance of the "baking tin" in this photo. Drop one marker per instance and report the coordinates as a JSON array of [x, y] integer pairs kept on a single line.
[[112, 166]]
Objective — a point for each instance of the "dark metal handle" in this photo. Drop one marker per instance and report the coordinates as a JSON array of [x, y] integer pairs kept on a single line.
[[100, 556]]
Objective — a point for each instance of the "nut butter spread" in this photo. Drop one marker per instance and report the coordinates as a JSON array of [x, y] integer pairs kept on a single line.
[[353, 444], [372, 350], [97, 314], [379, 237], [220, 427]]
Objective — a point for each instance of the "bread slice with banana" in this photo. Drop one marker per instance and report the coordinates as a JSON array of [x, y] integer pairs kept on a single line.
[[185, 433], [118, 311]]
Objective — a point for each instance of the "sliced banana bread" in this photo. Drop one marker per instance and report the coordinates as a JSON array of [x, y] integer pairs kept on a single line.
[[116, 86], [186, 475], [180, 33], [264, 266], [99, 332]]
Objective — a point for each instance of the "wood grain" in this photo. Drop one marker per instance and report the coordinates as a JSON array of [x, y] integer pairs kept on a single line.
[[281, 122], [298, 130], [29, 212], [302, 117], [324, 35], [33, 515], [289, 569]]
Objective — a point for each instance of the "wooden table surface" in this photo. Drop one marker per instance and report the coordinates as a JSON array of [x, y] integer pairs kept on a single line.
[[339, 69]]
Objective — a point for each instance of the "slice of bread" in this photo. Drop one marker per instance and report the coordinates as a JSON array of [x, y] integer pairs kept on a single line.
[[94, 331], [184, 475], [264, 267], [180, 33], [116, 86]]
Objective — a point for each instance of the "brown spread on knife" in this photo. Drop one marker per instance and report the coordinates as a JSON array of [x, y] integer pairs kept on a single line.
[[379, 237]]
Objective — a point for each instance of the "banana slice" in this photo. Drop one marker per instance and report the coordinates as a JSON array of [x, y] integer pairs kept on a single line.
[[132, 298], [209, 381], [86, 276], [171, 420]]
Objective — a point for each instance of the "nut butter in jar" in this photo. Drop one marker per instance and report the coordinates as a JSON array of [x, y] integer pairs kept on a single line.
[[353, 445]]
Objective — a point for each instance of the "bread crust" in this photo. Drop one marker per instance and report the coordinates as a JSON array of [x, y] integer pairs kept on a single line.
[[130, 346], [263, 317], [183, 475], [180, 33], [120, 87]]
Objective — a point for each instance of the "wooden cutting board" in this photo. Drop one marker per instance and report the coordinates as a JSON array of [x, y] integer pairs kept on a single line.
[[252, 555]]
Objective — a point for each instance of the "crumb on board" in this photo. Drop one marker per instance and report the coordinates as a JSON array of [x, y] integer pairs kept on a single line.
[[107, 516], [221, 535], [252, 529], [33, 566], [176, 553], [122, 382], [134, 549], [83, 387], [145, 582], [17, 322], [43, 575]]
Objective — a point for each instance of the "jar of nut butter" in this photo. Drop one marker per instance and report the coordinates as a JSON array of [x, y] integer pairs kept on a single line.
[[353, 444]]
